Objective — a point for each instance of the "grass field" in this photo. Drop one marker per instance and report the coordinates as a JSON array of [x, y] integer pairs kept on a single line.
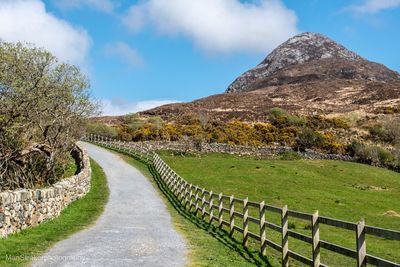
[[19, 249], [208, 245], [341, 190]]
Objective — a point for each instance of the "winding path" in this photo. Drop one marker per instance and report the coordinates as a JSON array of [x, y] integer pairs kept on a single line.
[[134, 230]]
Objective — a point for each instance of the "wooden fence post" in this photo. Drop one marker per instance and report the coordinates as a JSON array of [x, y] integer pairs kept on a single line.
[[263, 236], [211, 206], [231, 215], [190, 197], [184, 193], [178, 187], [161, 170], [196, 201], [175, 186], [245, 221], [361, 244], [187, 191], [285, 236], [182, 190], [315, 239], [165, 175], [203, 203], [169, 178], [220, 206]]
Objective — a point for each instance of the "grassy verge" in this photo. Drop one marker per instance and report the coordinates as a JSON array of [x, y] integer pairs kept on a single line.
[[341, 190], [19, 249], [208, 245]]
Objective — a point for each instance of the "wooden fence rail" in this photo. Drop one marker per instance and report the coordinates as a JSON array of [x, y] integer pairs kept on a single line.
[[221, 210]]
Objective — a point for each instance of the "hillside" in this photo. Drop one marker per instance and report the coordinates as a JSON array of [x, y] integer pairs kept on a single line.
[[308, 74]]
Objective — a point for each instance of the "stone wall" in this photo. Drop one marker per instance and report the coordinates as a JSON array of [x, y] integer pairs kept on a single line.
[[234, 149], [23, 208]]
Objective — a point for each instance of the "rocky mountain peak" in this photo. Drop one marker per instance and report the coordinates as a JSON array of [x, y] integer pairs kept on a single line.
[[304, 48], [298, 51]]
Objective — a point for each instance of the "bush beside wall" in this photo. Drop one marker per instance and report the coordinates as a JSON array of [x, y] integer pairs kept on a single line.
[[23, 208]]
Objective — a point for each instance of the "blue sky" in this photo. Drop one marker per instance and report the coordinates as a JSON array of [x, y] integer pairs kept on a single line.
[[138, 54]]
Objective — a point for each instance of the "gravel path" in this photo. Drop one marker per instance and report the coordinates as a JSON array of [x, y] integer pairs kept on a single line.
[[134, 230]]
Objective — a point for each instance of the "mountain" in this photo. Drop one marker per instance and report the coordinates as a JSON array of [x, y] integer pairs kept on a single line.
[[308, 74], [310, 56]]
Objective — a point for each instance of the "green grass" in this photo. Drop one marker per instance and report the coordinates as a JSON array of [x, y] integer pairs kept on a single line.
[[208, 245], [19, 249], [342, 190], [71, 168]]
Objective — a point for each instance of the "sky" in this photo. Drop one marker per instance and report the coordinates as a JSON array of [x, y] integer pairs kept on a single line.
[[145, 53]]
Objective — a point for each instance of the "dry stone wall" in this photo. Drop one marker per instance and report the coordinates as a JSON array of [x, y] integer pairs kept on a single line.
[[23, 208], [235, 150]]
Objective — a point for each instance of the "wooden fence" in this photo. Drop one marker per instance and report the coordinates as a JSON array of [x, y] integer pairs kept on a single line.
[[221, 210]]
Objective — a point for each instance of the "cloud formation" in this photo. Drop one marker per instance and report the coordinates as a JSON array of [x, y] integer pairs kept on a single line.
[[28, 21], [374, 6], [106, 6], [125, 53], [218, 26], [117, 107]]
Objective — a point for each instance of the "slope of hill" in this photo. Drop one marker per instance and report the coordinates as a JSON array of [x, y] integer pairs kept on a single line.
[[308, 74], [310, 56]]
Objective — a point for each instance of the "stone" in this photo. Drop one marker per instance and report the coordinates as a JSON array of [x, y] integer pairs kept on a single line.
[[22, 208]]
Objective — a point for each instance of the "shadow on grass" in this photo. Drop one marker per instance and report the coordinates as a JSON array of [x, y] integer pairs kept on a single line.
[[218, 233]]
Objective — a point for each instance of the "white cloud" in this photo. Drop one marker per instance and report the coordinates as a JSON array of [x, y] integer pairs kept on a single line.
[[125, 53], [100, 5], [28, 21], [374, 6], [116, 107], [221, 26]]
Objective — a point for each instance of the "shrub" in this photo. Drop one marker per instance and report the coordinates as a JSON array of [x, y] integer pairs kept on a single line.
[[308, 138], [296, 120], [44, 107], [374, 155], [125, 136], [367, 154], [396, 155], [102, 129], [266, 132], [392, 129], [353, 148], [135, 125], [321, 123], [290, 155], [384, 156], [277, 112], [277, 116], [388, 132]]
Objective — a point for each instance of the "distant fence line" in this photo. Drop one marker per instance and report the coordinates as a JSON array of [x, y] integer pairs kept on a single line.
[[211, 206]]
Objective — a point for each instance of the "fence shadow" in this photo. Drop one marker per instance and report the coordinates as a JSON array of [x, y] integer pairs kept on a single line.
[[171, 185], [218, 233]]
